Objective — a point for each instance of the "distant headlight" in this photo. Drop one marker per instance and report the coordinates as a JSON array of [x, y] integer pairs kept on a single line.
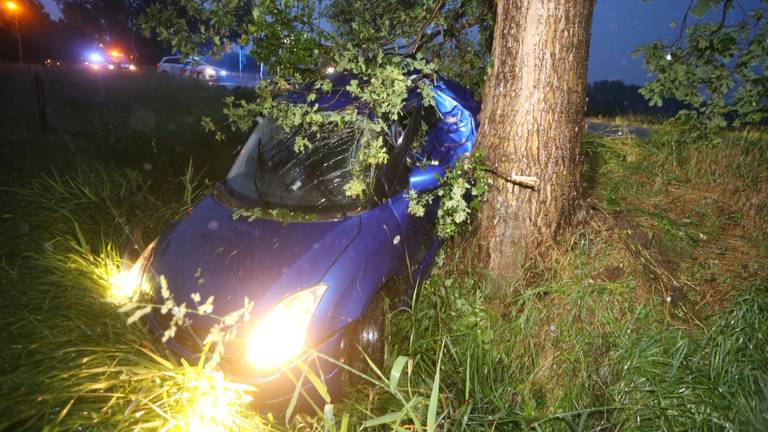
[[281, 335], [126, 284], [131, 67], [223, 72]]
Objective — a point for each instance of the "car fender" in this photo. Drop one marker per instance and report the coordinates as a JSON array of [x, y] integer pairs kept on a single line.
[[375, 256]]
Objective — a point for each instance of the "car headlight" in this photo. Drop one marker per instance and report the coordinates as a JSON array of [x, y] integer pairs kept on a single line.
[[281, 335], [127, 283], [210, 71]]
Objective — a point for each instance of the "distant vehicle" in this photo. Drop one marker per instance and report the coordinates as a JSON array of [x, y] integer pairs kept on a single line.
[[117, 60], [111, 60], [191, 67], [320, 274], [51, 63], [171, 65]]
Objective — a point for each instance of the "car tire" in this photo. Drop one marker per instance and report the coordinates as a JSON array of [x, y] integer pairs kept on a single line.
[[367, 335]]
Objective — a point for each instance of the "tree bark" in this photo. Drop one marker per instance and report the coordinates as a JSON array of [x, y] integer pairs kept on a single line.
[[531, 125]]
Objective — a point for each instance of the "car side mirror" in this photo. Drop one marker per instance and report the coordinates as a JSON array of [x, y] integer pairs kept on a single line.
[[426, 178]]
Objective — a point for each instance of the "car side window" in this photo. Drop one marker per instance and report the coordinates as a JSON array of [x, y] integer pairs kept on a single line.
[[419, 151], [393, 177]]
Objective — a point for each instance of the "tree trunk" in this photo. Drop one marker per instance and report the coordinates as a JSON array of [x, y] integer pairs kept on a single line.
[[531, 125]]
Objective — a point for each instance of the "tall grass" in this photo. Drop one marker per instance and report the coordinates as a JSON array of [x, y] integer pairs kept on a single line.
[[651, 316]]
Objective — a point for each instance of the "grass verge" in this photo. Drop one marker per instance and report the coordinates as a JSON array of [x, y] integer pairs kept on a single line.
[[651, 316]]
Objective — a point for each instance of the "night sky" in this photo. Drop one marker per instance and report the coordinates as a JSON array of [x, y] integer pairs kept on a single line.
[[619, 26]]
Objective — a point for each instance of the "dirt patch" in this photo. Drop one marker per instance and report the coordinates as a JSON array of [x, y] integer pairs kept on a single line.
[[608, 274], [646, 256]]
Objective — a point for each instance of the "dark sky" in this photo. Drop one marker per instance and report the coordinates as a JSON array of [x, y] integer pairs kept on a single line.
[[619, 26]]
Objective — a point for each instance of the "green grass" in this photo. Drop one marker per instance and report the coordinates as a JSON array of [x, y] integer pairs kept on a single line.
[[650, 316]]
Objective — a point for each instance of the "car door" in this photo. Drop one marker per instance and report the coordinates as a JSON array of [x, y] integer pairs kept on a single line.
[[171, 65], [420, 240], [186, 68]]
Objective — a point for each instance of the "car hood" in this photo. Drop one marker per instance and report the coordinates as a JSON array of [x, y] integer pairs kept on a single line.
[[211, 253]]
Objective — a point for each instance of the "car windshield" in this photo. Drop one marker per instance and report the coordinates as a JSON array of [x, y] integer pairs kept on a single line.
[[269, 173]]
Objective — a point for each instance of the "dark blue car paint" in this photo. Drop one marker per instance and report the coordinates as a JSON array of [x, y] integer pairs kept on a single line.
[[212, 253]]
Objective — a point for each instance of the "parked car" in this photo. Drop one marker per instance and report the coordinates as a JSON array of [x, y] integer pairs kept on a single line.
[[202, 70], [319, 265], [171, 65], [191, 67]]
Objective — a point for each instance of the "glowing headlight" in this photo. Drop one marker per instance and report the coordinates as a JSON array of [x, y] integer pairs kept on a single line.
[[131, 67], [223, 73], [126, 284], [281, 335], [210, 71]]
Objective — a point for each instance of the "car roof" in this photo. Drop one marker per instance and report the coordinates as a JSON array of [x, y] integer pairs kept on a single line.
[[339, 98]]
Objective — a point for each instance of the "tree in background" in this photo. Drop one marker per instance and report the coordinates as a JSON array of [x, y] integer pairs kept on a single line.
[[455, 36], [295, 38], [40, 34], [716, 66], [616, 98], [113, 23]]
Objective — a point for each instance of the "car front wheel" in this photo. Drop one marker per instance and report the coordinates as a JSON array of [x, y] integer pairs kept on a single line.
[[365, 341]]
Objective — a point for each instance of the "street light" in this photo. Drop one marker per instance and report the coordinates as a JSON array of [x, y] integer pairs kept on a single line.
[[14, 9]]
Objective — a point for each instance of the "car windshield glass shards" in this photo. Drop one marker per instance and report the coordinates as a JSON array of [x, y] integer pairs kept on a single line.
[[270, 173]]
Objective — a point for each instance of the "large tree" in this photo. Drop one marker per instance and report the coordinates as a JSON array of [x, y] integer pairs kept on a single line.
[[531, 125]]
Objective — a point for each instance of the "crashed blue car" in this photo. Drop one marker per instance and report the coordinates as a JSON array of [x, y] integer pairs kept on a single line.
[[317, 264]]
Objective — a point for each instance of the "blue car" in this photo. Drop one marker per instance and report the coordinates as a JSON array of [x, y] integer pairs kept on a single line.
[[317, 264]]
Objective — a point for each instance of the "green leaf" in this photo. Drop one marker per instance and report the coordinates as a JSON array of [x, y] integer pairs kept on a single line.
[[433, 398], [385, 419], [294, 397], [316, 382], [397, 369]]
